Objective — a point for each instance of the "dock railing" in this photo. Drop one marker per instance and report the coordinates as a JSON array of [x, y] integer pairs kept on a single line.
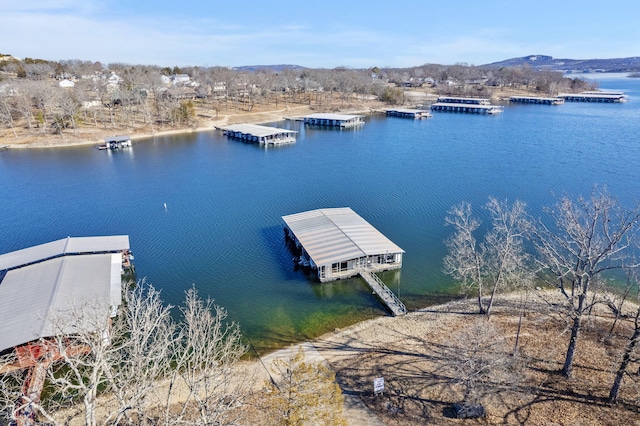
[[386, 295]]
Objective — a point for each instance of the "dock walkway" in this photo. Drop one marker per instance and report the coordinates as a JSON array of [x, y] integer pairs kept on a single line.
[[383, 292]]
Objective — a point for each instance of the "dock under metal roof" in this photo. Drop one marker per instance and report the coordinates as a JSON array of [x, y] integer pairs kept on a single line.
[[258, 130], [58, 296], [337, 234], [59, 287], [65, 246], [332, 116]]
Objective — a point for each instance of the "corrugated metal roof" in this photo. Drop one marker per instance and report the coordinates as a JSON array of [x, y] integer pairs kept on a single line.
[[69, 245], [258, 130], [329, 116], [337, 234], [38, 300]]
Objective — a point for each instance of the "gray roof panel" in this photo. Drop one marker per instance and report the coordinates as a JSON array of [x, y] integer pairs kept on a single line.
[[69, 245], [258, 130], [37, 300], [337, 235]]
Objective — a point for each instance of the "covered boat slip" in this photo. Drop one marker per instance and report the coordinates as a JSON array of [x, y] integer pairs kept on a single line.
[[338, 243], [63, 247], [264, 135], [116, 142], [602, 97], [461, 100], [467, 108], [408, 113], [60, 287], [536, 100], [334, 120]]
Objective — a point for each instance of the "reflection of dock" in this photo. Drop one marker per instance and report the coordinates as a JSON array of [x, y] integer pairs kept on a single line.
[[383, 292], [536, 100]]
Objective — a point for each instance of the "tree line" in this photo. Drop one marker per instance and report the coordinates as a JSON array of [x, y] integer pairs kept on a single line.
[[138, 96]]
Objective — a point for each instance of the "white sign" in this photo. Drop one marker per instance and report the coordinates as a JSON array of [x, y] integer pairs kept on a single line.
[[378, 385]]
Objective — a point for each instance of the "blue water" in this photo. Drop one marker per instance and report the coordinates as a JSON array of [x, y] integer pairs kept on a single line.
[[222, 230]]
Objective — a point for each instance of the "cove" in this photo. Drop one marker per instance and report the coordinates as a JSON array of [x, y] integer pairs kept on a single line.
[[221, 230]]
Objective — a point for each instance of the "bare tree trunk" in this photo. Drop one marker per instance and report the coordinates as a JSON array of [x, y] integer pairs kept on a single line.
[[626, 359], [567, 368]]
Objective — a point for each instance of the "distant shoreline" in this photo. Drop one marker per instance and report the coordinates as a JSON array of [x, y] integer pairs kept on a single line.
[[93, 136], [96, 137]]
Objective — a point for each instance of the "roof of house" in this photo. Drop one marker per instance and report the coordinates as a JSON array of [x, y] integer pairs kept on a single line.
[[337, 235]]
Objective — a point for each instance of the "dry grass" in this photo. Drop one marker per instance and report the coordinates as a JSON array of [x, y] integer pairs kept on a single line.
[[409, 353]]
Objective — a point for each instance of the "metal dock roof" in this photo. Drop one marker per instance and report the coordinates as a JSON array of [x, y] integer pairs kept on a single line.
[[69, 245], [337, 234], [257, 130], [330, 116], [39, 300]]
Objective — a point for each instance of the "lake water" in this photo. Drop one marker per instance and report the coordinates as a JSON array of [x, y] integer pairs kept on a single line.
[[222, 229]]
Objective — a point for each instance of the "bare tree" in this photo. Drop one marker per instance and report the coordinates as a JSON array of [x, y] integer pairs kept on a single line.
[[479, 360], [500, 261], [204, 352], [142, 356], [591, 236], [305, 393], [138, 368], [630, 353]]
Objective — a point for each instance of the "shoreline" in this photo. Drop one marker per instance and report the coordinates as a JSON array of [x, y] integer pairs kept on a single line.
[[208, 125], [95, 136]]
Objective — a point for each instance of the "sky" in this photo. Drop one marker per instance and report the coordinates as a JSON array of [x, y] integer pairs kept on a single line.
[[317, 34]]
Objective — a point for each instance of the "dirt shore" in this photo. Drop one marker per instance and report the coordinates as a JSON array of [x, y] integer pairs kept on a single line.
[[95, 136], [409, 352], [205, 121]]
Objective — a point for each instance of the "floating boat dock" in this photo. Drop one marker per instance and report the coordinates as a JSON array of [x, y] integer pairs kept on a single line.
[[467, 108], [536, 100], [337, 243], [116, 142], [466, 101], [409, 113], [264, 135], [600, 97], [334, 120]]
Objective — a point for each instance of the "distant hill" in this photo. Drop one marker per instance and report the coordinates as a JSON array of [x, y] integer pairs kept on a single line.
[[543, 62], [274, 68]]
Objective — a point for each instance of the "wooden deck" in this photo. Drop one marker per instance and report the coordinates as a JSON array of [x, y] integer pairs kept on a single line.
[[383, 292]]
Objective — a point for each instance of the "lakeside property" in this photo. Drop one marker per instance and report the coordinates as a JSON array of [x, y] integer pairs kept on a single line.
[[206, 120]]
